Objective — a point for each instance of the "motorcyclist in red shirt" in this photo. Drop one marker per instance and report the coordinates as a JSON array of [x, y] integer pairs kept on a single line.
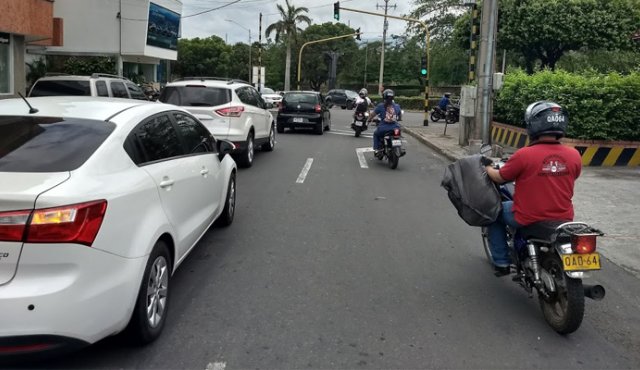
[[544, 173]]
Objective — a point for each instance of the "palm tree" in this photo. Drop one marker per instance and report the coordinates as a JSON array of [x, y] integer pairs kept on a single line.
[[287, 27]]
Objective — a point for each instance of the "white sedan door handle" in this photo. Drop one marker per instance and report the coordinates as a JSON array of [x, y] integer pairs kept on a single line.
[[166, 182], [204, 171]]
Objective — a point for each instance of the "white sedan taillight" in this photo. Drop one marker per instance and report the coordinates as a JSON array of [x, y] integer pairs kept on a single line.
[[75, 223], [231, 111]]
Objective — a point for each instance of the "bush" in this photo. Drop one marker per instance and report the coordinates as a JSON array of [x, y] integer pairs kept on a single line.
[[601, 107]]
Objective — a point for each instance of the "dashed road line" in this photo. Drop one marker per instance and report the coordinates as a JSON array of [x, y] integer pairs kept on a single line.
[[305, 171], [360, 153]]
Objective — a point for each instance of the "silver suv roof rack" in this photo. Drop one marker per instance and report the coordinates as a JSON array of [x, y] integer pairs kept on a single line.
[[205, 78], [97, 75]]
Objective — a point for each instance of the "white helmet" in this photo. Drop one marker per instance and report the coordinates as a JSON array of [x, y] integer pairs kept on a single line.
[[363, 91]]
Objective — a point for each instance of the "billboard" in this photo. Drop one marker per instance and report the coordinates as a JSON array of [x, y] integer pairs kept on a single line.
[[163, 27]]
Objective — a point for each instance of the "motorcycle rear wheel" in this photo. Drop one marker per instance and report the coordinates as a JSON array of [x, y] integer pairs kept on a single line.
[[435, 116], [392, 159], [357, 130], [564, 310]]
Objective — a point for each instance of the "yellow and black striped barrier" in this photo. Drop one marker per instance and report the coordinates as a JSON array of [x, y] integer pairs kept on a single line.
[[593, 152]]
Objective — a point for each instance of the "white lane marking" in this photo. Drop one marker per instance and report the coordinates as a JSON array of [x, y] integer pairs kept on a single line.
[[305, 171], [360, 153], [216, 366]]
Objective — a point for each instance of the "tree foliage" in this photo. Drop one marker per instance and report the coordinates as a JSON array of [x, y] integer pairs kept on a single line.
[[287, 26], [544, 30], [89, 65], [209, 56], [315, 59], [440, 15]]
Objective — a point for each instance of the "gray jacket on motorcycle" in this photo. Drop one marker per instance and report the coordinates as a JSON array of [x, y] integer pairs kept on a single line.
[[472, 192]]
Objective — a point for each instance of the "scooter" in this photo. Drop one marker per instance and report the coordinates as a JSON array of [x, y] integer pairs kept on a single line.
[[360, 117]]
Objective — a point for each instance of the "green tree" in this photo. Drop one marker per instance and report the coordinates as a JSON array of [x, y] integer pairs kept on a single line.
[[315, 62], [440, 15], [89, 65], [544, 30], [287, 27], [203, 57]]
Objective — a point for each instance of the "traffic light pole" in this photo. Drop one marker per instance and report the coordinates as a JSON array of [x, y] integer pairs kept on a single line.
[[316, 42], [425, 121]]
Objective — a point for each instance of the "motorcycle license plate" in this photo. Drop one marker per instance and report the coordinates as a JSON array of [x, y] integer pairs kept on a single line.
[[358, 123], [298, 119], [396, 142], [581, 262]]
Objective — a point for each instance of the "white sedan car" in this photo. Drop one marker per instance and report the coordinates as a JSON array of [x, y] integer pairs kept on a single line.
[[100, 201]]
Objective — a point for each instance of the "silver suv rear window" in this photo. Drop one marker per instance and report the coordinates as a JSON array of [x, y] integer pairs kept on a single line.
[[61, 88], [195, 96], [49, 144]]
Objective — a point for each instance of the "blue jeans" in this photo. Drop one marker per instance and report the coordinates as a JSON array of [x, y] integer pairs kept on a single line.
[[382, 129], [498, 235]]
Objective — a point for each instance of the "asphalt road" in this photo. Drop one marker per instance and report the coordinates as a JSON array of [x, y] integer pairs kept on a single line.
[[352, 267]]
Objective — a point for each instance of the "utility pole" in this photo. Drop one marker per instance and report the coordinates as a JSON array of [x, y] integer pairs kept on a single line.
[[366, 56], [259, 53], [384, 41], [486, 68]]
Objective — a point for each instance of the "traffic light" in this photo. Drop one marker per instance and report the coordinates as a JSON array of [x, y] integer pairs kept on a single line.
[[423, 66], [358, 34], [336, 10]]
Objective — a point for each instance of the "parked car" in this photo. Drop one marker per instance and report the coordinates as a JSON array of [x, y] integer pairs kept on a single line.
[[343, 98], [304, 109], [271, 96], [230, 109], [92, 230], [98, 84]]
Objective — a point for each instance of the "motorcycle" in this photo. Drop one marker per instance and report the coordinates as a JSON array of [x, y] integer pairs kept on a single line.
[[392, 148], [437, 114], [453, 114], [360, 118], [551, 258]]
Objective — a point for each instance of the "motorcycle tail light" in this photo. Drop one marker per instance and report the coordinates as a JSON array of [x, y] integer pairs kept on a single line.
[[318, 108], [583, 244], [396, 132]]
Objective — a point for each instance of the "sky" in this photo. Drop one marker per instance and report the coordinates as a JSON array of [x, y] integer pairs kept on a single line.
[[246, 14]]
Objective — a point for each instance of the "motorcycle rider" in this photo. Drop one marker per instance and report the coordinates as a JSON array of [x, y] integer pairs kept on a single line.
[[544, 173], [388, 112], [362, 103], [444, 102]]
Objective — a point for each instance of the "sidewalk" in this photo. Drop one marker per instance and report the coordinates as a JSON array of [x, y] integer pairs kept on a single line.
[[607, 198]]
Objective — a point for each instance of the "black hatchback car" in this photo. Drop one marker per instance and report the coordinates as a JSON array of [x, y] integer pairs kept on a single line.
[[304, 109]]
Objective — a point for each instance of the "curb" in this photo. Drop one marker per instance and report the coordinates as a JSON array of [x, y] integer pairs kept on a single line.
[[450, 156]]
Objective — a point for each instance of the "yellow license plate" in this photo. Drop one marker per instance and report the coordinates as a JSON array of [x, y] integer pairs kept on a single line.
[[580, 262]]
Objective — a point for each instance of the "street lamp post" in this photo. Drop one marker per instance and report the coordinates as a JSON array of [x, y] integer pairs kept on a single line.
[[248, 29]]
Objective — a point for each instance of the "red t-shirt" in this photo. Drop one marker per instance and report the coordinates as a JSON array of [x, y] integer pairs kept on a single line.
[[544, 173]]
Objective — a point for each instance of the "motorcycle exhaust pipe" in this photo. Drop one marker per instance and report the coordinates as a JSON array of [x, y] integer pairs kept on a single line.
[[595, 292]]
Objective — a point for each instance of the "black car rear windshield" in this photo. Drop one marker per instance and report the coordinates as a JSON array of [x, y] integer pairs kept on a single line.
[[195, 96], [301, 98], [48, 144], [61, 88]]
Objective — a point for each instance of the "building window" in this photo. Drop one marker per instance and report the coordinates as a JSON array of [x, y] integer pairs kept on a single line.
[[6, 76]]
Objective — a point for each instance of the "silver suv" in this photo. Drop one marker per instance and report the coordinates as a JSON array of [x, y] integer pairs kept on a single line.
[[230, 109], [98, 84]]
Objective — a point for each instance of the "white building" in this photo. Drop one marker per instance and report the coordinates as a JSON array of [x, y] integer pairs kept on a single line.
[[141, 34]]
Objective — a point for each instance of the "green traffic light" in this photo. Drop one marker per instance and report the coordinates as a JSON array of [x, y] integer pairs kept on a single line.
[[336, 11], [423, 71]]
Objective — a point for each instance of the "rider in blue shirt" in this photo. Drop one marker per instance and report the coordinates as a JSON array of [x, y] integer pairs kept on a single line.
[[388, 112], [444, 102]]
